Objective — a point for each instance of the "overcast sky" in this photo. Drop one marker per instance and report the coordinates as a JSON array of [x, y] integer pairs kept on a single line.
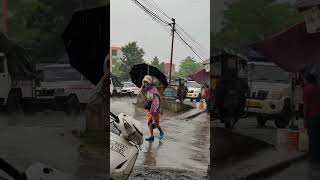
[[130, 23]]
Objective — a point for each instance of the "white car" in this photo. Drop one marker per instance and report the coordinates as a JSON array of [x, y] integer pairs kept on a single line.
[[129, 88], [194, 91]]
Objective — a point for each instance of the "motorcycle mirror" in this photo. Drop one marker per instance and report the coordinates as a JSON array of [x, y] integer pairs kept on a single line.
[[115, 117]]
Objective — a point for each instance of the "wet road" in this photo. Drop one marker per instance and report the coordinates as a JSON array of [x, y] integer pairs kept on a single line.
[[186, 143], [297, 171], [46, 137]]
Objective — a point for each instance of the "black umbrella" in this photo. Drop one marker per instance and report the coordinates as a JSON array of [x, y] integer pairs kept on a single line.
[[138, 72], [87, 39]]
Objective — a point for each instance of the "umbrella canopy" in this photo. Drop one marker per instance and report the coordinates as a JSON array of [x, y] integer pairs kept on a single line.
[[291, 49], [138, 72], [200, 77], [87, 39]]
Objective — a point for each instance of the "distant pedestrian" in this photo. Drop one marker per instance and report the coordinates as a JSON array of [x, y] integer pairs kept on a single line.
[[152, 104], [311, 99]]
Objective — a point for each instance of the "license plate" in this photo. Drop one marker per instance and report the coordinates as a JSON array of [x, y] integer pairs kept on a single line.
[[189, 94], [253, 104], [119, 148]]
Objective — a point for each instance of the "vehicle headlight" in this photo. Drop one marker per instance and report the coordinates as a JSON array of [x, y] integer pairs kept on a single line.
[[274, 95]]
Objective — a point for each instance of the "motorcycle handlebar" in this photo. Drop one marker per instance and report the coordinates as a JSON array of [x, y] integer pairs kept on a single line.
[[115, 117], [11, 171]]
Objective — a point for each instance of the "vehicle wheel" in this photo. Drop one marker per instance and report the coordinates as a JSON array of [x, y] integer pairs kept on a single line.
[[191, 100], [284, 117], [73, 105], [229, 123], [198, 99], [14, 102], [261, 121]]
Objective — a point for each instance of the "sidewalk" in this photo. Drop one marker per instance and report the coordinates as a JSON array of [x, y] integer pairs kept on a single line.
[[260, 163]]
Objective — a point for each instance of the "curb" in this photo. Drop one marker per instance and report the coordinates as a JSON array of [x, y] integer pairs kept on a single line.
[[269, 171], [193, 115]]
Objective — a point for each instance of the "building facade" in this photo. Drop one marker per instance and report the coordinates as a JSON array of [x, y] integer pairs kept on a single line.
[[167, 69]]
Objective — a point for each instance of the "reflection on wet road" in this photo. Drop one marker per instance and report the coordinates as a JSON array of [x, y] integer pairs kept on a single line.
[[186, 143], [46, 137]]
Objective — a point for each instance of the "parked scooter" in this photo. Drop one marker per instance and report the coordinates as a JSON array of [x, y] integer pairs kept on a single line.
[[125, 140], [34, 172]]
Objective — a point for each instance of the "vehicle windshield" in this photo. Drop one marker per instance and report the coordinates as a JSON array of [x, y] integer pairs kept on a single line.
[[53, 74], [193, 84], [266, 73], [128, 85]]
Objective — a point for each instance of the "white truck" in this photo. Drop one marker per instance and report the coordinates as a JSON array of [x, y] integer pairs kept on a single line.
[[194, 91], [14, 91], [64, 88], [270, 96]]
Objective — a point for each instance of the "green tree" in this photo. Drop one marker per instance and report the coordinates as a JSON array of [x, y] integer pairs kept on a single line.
[[156, 63], [38, 24], [248, 21], [116, 68], [132, 55], [189, 66]]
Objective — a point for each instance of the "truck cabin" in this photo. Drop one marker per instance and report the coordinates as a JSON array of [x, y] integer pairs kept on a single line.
[[61, 72], [268, 73]]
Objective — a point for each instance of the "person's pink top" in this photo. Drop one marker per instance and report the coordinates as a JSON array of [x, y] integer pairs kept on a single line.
[[311, 99], [151, 95]]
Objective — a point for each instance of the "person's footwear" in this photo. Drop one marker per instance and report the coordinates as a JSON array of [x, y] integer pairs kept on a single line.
[[161, 135], [151, 139]]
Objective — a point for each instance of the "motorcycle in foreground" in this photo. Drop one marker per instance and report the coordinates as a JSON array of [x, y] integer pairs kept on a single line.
[[125, 140], [36, 171]]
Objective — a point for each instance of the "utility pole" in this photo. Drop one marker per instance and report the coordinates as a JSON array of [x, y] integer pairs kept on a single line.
[[5, 16], [173, 30]]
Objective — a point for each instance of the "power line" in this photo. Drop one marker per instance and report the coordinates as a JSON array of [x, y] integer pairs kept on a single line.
[[192, 39], [189, 46], [149, 12], [159, 9], [199, 48], [183, 31], [184, 37]]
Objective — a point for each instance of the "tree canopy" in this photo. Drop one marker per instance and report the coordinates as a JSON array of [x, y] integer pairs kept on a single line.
[[38, 24], [189, 66], [156, 63], [248, 21], [132, 54]]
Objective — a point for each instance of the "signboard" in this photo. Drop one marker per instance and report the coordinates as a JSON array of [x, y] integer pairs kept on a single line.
[[312, 19]]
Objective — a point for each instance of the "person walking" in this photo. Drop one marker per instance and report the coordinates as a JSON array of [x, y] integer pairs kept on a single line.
[[152, 104], [311, 99]]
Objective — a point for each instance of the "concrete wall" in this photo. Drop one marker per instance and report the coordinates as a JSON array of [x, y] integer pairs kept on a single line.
[[166, 103]]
